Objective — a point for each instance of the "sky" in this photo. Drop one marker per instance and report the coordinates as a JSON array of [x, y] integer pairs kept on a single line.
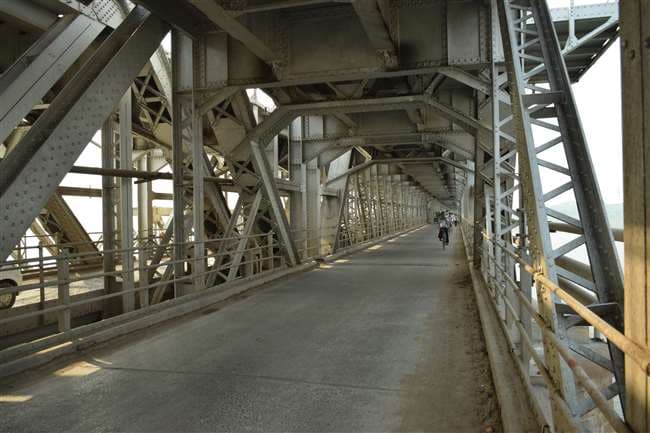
[[598, 96]]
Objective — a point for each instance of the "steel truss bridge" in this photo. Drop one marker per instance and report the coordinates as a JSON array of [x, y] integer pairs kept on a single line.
[[383, 114]]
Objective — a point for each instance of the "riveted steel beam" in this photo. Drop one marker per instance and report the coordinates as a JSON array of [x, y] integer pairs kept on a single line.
[[32, 171]]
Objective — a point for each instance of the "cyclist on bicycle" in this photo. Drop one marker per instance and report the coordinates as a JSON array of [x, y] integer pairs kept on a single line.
[[443, 232]]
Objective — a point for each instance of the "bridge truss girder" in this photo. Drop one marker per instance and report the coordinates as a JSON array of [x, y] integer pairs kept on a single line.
[[367, 139]]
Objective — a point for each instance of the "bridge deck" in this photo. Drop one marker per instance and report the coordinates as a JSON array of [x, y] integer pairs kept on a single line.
[[387, 339]]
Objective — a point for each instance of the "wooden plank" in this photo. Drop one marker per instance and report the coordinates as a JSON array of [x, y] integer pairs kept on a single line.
[[635, 59]]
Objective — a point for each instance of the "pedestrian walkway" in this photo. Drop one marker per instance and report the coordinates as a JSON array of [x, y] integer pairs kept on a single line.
[[387, 339]]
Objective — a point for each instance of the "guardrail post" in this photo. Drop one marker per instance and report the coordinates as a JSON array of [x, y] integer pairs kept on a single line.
[[63, 277]]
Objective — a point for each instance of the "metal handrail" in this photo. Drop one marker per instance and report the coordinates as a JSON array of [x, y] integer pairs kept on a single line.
[[641, 355]]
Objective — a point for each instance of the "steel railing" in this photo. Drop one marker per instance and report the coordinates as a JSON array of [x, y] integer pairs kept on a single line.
[[499, 296], [148, 278]]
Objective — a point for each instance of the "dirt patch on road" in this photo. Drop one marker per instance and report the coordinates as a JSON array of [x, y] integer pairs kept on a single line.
[[451, 389]]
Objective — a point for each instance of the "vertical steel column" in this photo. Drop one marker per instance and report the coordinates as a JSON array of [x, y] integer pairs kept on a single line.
[[126, 201], [402, 194], [388, 200], [406, 200], [488, 255], [312, 199], [496, 148], [272, 155], [635, 59], [198, 174], [108, 215], [145, 199], [179, 43], [541, 36], [361, 199], [145, 228], [402, 202], [379, 201], [479, 207], [393, 202], [411, 196], [297, 174], [63, 291], [313, 127], [366, 204]]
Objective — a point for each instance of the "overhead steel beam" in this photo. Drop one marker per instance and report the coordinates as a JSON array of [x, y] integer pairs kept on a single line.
[[28, 12], [457, 141], [374, 25], [314, 148], [466, 78], [179, 14], [235, 29], [367, 164], [24, 84], [472, 81], [281, 117], [281, 5]]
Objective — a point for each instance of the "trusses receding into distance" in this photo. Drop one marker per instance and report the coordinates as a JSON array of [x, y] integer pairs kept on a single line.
[[378, 114]]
